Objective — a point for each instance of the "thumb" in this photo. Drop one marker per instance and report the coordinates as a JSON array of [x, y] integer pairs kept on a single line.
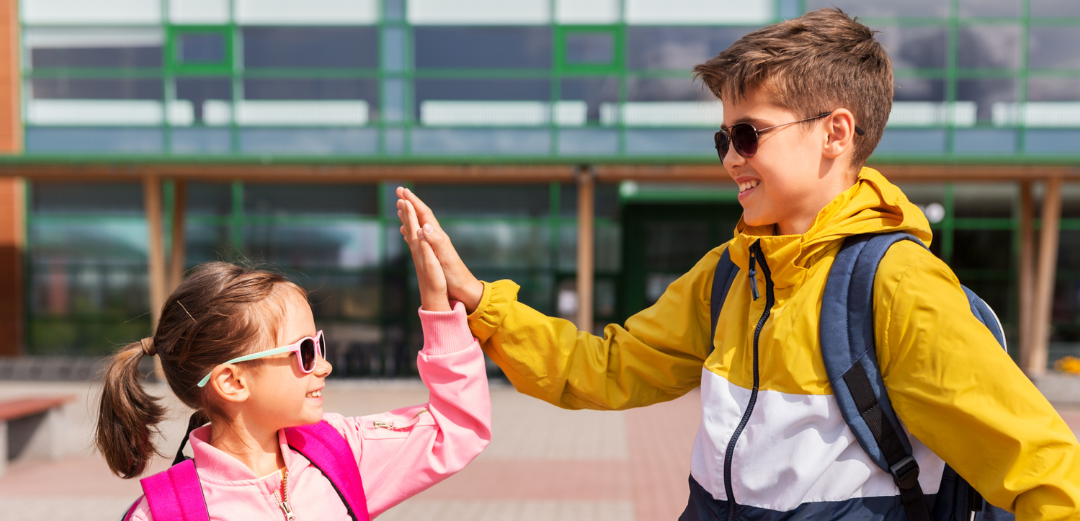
[[438, 241]]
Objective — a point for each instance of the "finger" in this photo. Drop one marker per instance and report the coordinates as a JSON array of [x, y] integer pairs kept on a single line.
[[438, 240], [423, 212], [410, 215]]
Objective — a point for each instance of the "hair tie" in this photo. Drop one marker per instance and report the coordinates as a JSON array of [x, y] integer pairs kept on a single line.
[[148, 346]]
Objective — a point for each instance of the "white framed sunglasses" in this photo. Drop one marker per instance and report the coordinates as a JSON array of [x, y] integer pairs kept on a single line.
[[308, 352]]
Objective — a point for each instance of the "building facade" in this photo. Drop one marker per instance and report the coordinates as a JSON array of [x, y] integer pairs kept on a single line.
[[210, 96]]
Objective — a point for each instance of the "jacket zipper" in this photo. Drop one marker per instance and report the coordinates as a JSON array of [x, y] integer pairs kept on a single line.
[[755, 255], [283, 500]]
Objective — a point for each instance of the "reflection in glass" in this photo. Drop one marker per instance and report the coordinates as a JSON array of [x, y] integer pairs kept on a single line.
[[669, 142], [1054, 48], [94, 140], [607, 248], [482, 47], [919, 89], [1055, 8], [989, 8], [481, 90], [201, 48], [677, 48], [884, 8], [914, 47], [205, 243], [209, 199], [345, 245], [306, 47], [502, 201], [121, 240], [199, 90], [56, 198], [93, 49], [96, 88], [988, 46], [1053, 89], [282, 200], [985, 199], [594, 91], [503, 142], [684, 12], [501, 244], [306, 141], [991, 96], [590, 48], [336, 295]]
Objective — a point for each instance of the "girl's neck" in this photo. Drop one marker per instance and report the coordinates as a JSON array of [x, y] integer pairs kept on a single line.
[[258, 449]]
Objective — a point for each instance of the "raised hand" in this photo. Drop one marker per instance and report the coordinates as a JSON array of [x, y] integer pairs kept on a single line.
[[460, 283], [428, 271]]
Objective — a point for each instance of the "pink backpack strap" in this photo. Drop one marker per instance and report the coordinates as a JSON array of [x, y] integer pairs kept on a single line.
[[131, 510], [176, 495], [327, 449]]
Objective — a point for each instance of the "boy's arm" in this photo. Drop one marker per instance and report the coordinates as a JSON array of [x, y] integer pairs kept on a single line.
[[656, 356], [403, 452], [957, 391]]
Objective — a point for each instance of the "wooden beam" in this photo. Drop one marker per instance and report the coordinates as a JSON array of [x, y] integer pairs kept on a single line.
[[1044, 286], [155, 257], [585, 247], [179, 228], [1027, 270]]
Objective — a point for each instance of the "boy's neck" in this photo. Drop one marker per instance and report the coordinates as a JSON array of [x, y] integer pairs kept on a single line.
[[801, 223], [258, 449]]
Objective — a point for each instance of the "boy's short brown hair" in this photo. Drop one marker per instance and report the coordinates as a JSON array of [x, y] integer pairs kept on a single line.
[[816, 63]]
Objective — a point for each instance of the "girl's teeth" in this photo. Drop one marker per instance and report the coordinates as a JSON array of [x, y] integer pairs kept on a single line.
[[314, 394]]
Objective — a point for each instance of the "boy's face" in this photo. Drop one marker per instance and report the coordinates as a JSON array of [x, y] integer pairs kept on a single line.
[[782, 183]]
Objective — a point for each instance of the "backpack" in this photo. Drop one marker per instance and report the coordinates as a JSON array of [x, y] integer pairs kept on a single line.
[[847, 345], [176, 495]]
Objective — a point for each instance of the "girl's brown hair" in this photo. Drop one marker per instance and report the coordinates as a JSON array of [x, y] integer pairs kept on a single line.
[[219, 312]]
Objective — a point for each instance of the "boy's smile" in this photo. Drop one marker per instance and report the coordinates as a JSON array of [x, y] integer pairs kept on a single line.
[[796, 169]]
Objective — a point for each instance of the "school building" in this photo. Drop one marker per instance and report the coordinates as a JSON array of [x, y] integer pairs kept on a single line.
[[561, 143]]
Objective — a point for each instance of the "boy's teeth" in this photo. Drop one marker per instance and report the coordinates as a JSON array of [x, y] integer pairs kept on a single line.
[[748, 185]]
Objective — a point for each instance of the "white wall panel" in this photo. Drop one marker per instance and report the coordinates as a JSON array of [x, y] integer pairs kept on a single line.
[[91, 12], [588, 11], [479, 12], [199, 11], [308, 12], [699, 12]]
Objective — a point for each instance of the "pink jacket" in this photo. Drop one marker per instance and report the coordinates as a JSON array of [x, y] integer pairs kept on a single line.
[[400, 453]]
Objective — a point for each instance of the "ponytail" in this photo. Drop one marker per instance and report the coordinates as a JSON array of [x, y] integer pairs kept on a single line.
[[128, 413]]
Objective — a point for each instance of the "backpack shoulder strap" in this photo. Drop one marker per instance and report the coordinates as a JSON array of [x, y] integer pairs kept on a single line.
[[176, 495], [327, 449], [847, 346], [726, 270]]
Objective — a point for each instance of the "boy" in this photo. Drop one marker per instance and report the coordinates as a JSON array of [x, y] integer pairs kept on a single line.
[[805, 103]]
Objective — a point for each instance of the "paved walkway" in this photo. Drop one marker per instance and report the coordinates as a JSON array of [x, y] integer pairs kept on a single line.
[[543, 464]]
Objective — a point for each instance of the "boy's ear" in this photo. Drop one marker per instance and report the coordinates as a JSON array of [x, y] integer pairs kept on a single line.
[[229, 383], [839, 133]]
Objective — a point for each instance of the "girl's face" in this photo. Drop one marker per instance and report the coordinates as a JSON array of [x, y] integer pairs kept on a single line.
[[281, 394]]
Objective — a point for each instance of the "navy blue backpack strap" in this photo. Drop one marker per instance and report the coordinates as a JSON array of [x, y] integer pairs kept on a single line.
[[847, 346], [721, 284]]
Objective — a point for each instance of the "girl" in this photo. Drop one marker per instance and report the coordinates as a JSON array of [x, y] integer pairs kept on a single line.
[[218, 340]]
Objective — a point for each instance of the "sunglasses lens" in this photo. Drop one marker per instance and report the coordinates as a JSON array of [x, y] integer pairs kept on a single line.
[[721, 141], [307, 354], [744, 137]]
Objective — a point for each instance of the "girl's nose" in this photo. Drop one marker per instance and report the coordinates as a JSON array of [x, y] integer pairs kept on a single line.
[[323, 368]]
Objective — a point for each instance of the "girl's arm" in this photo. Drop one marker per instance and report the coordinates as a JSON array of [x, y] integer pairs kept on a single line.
[[405, 451]]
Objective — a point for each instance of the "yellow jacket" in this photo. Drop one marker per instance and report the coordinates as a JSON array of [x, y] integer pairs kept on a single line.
[[958, 394]]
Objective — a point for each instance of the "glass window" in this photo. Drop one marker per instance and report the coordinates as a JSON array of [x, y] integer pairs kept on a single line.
[[915, 47], [664, 89], [94, 140], [495, 142], [988, 46], [49, 198], [989, 8], [1070, 206], [205, 243], [670, 142], [1055, 8], [393, 49], [694, 12], [343, 296], [507, 201], [677, 48], [312, 89], [919, 89], [992, 97], [588, 142], [487, 95], [307, 141], [310, 12], [483, 47], [288, 200], [209, 199], [605, 200], [96, 88], [199, 90], [83, 12], [303, 47], [1053, 89], [348, 245], [200, 140], [607, 248], [479, 12], [501, 245], [911, 142], [594, 91], [1054, 48], [884, 8], [200, 47], [66, 243], [590, 48], [986, 200], [588, 11], [982, 250], [91, 48]]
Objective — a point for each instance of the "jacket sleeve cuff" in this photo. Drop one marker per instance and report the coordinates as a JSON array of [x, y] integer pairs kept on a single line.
[[445, 331], [494, 306]]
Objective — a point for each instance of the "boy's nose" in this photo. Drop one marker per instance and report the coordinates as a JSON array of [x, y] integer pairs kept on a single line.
[[732, 158]]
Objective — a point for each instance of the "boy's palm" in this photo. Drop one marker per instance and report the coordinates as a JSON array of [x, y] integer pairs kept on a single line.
[[429, 273], [461, 285]]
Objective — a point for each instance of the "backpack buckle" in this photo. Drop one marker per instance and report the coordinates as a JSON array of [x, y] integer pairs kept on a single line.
[[905, 472]]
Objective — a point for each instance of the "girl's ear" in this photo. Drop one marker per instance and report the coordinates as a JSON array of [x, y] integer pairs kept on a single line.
[[230, 383]]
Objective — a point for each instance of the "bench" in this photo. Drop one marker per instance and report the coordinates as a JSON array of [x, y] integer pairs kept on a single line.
[[31, 428]]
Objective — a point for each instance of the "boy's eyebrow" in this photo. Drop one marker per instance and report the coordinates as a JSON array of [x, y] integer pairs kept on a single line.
[[744, 119]]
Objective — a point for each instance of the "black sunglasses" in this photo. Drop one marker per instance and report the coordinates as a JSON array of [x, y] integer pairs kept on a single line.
[[745, 137]]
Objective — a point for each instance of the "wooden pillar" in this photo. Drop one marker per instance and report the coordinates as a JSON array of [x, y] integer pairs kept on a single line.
[[155, 247], [1044, 285], [12, 200], [585, 245], [176, 264], [1027, 270]]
